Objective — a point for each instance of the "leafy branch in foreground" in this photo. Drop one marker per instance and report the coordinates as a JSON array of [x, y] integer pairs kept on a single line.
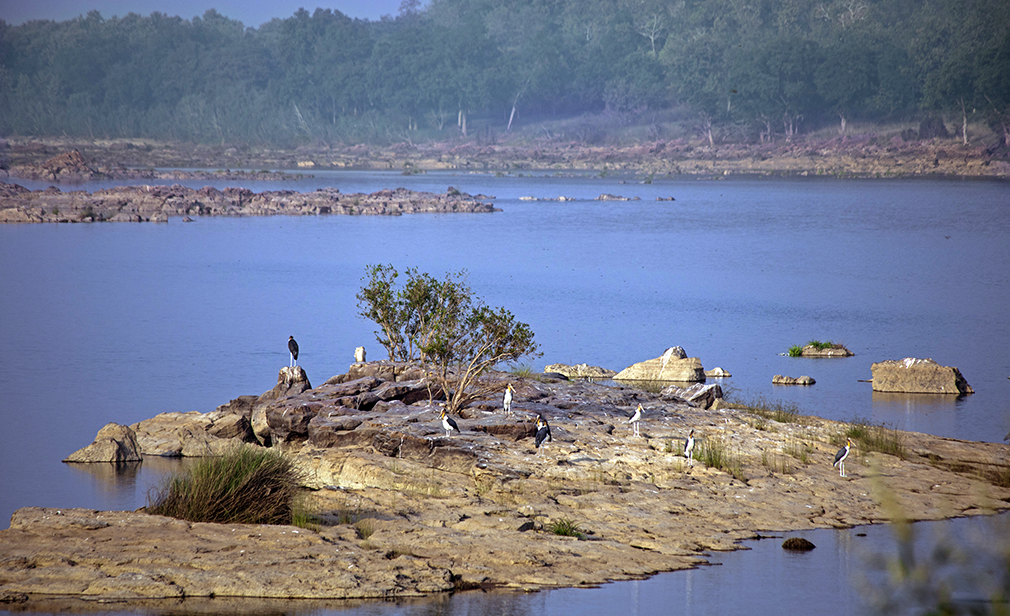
[[439, 323]]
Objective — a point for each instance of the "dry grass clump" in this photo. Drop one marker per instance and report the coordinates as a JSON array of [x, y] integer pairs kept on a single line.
[[248, 485]]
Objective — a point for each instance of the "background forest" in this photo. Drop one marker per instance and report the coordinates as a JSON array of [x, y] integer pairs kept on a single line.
[[741, 70]]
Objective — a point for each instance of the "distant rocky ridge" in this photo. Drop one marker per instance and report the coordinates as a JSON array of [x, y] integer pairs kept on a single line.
[[850, 156], [159, 203]]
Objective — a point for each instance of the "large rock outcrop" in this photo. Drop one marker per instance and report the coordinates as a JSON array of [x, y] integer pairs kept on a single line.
[[673, 365], [405, 510], [114, 443], [912, 375]]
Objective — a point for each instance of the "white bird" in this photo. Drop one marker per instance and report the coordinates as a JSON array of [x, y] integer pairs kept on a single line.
[[449, 424], [689, 448], [840, 457], [507, 400], [637, 417], [543, 433]]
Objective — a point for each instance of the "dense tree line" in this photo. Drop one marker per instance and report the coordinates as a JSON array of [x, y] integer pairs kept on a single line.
[[755, 69]]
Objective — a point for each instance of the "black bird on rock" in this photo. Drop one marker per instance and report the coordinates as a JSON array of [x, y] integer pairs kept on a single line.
[[543, 433], [293, 349]]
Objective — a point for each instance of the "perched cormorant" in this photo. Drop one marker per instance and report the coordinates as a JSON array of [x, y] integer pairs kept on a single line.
[[293, 349], [449, 424], [637, 417], [689, 448], [840, 457]]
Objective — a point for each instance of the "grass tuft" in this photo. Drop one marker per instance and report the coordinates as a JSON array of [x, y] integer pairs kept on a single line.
[[782, 412], [566, 528], [870, 436], [248, 485], [716, 454], [795, 351]]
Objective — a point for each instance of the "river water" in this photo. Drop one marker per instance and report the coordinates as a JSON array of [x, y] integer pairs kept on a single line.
[[119, 322]]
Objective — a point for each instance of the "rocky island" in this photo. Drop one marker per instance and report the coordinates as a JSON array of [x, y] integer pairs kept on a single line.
[[404, 510], [157, 203]]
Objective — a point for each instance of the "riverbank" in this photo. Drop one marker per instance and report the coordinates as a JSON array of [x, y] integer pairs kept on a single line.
[[854, 156], [405, 510]]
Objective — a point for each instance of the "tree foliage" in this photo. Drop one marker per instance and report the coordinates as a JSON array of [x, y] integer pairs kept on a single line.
[[768, 67], [444, 327]]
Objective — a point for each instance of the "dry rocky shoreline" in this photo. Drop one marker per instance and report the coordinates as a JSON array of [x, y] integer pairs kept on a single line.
[[407, 511], [851, 156]]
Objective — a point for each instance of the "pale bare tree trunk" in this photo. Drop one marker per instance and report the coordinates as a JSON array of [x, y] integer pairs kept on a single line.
[[964, 123], [841, 129]]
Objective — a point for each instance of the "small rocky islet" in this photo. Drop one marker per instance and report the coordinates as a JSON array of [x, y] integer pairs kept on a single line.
[[405, 510]]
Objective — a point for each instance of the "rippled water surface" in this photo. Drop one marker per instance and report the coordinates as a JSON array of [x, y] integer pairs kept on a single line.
[[118, 322]]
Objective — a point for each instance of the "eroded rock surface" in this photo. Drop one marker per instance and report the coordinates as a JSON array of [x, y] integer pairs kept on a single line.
[[912, 375]]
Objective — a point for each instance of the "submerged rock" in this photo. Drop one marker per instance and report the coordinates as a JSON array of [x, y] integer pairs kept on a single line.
[[778, 379], [911, 375]]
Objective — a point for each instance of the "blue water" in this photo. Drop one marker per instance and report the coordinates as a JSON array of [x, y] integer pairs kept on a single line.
[[118, 322]]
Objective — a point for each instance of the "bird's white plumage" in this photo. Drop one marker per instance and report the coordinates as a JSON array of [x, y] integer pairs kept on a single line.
[[507, 399], [840, 457], [689, 448], [449, 424], [637, 417]]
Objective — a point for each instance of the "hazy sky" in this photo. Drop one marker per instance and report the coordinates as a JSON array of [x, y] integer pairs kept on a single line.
[[251, 13]]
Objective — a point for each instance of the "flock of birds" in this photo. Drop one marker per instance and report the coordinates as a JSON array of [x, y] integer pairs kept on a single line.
[[543, 433]]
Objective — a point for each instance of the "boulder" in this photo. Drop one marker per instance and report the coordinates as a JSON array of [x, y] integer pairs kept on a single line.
[[114, 443], [290, 422], [291, 381], [697, 395], [183, 435], [911, 375], [579, 371], [673, 365], [327, 430], [717, 373], [359, 354], [778, 379]]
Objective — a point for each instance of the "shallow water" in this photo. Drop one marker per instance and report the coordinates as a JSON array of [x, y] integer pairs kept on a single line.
[[119, 322]]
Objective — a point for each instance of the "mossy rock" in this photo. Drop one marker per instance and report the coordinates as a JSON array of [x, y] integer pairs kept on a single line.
[[798, 544]]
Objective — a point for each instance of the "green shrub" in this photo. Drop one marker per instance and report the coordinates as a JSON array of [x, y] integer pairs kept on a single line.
[[795, 351], [820, 346], [248, 485]]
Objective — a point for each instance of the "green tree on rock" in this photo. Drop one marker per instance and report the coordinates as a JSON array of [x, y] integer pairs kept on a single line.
[[440, 324]]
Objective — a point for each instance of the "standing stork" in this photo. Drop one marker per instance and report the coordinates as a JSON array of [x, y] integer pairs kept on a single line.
[[637, 417], [840, 457], [449, 424], [507, 400], [543, 433], [293, 349], [689, 448]]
